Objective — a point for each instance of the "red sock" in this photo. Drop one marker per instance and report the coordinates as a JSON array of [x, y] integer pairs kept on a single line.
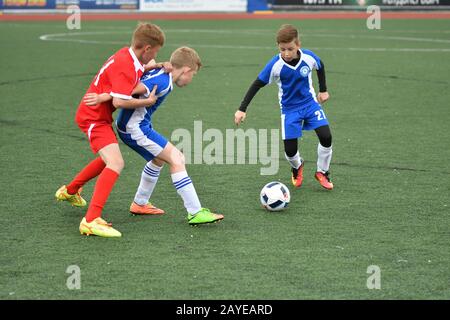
[[93, 169], [103, 187]]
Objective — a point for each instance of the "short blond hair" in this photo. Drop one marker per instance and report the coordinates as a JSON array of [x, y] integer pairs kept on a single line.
[[186, 57], [287, 33], [147, 34]]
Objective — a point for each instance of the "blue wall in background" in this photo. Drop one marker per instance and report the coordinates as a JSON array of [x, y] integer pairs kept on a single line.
[[256, 5]]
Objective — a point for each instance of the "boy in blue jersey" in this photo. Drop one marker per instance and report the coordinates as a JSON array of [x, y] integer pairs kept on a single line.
[[135, 129], [291, 70]]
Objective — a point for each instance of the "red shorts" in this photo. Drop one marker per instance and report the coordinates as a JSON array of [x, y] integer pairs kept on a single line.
[[100, 134]]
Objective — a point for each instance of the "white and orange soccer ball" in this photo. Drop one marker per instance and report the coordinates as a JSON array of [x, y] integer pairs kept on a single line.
[[275, 196]]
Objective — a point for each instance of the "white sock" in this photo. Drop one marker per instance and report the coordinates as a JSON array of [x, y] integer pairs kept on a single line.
[[323, 158], [186, 190], [295, 161], [149, 177]]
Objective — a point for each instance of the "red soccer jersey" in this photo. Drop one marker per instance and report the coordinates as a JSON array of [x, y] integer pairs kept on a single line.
[[118, 77]]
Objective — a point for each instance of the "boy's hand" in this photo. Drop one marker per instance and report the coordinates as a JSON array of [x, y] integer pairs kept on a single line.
[[239, 117], [91, 99], [323, 97], [153, 65], [150, 65], [167, 67], [152, 96]]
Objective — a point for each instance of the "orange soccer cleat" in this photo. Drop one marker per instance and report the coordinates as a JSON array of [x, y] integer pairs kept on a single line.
[[324, 179], [297, 176], [145, 209]]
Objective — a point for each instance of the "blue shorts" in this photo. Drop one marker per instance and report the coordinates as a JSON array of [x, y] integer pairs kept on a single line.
[[309, 117], [144, 140]]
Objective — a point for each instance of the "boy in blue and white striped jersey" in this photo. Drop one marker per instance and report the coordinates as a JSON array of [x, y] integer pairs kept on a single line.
[[135, 129]]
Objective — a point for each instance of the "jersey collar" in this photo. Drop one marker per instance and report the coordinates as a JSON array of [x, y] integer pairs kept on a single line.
[[298, 63], [137, 64]]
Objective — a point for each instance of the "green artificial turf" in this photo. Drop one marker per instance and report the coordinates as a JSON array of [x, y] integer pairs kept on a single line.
[[389, 117]]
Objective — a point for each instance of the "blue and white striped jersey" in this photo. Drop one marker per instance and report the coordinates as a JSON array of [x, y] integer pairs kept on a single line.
[[295, 87], [130, 119]]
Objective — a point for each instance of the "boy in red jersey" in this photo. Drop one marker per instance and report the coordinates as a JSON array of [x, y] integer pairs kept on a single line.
[[118, 76]]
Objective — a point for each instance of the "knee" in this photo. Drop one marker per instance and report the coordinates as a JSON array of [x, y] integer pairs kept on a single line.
[[290, 147], [178, 159], [116, 164], [157, 162], [326, 140]]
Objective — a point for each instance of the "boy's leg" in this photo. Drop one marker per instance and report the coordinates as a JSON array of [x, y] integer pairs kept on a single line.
[[92, 170], [148, 143], [149, 178], [108, 167], [114, 164], [292, 155], [324, 153], [181, 181], [185, 188], [291, 128], [92, 223], [316, 119], [72, 193]]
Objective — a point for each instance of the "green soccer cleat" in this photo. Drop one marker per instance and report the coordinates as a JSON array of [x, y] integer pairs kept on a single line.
[[74, 199], [204, 216]]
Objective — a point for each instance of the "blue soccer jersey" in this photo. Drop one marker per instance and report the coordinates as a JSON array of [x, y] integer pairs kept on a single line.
[[134, 126], [128, 119], [295, 87]]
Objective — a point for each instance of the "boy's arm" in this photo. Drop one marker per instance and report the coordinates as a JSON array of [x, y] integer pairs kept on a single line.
[[136, 103], [93, 99], [140, 89], [323, 95], [239, 116]]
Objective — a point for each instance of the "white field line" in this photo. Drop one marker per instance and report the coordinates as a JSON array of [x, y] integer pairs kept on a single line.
[[69, 37]]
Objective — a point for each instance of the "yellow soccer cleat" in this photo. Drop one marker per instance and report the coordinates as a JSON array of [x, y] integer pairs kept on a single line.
[[74, 199], [98, 227]]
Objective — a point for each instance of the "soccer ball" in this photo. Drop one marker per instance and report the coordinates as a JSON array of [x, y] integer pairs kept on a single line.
[[275, 196]]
